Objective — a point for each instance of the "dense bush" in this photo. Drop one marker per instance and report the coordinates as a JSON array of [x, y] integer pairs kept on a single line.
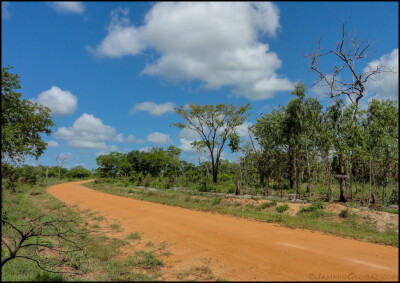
[[282, 208]]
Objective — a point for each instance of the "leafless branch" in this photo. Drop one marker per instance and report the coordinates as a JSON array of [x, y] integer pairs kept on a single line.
[[60, 163], [349, 50], [50, 232]]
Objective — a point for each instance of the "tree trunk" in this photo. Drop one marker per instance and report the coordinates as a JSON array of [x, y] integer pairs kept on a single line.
[[262, 179], [370, 181], [295, 176], [330, 184], [315, 184], [262, 184], [350, 188], [308, 173], [383, 193], [238, 183], [341, 180], [291, 168]]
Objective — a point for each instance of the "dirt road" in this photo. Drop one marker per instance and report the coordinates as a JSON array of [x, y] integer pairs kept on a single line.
[[240, 249]]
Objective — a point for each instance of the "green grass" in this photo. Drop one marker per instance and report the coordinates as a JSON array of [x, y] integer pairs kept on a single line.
[[100, 250], [147, 260], [98, 218], [194, 273], [311, 218], [198, 273], [99, 263], [282, 208], [150, 244], [216, 201], [116, 227], [391, 210], [134, 236]]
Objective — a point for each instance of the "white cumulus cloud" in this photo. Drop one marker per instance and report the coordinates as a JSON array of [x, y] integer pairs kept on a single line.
[[385, 86], [61, 102], [68, 7], [87, 132], [130, 139], [119, 138], [153, 108], [213, 42], [52, 144], [159, 138]]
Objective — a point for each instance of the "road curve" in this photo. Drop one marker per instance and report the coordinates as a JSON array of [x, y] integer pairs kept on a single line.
[[241, 249]]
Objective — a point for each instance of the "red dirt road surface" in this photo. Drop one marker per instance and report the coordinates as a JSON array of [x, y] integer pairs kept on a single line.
[[240, 249]]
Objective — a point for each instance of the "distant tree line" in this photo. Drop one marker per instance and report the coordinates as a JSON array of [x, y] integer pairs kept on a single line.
[[25, 174]]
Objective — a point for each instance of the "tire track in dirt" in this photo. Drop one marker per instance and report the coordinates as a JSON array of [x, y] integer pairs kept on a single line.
[[240, 249]]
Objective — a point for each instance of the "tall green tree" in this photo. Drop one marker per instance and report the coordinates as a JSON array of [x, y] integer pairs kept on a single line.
[[300, 127], [214, 124], [312, 128], [110, 164], [22, 122], [268, 132], [343, 124], [382, 143]]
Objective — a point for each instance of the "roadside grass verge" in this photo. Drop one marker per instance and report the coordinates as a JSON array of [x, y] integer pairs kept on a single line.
[[198, 272], [101, 259], [311, 218]]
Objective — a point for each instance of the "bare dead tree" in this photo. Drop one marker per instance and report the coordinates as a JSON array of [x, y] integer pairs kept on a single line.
[[60, 163], [345, 78], [47, 233]]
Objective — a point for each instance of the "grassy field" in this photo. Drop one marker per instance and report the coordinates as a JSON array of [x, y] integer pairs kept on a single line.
[[313, 217], [99, 260]]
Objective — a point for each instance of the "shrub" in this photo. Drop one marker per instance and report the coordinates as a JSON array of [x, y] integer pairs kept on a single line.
[[282, 208], [231, 188], [314, 210], [216, 201], [263, 205], [344, 213], [205, 187], [394, 197], [147, 180], [161, 183]]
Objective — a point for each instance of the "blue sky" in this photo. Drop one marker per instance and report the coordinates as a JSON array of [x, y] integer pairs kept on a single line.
[[111, 72]]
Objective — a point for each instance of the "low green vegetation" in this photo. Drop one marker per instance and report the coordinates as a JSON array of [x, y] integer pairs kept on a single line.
[[98, 257], [198, 273], [98, 218], [134, 236], [282, 208], [344, 213], [115, 227]]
